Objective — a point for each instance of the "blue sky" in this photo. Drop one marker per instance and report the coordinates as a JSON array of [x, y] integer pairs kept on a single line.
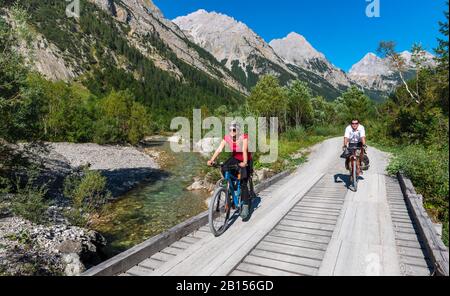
[[338, 28]]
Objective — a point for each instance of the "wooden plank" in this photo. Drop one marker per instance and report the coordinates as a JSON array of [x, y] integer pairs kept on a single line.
[[396, 202], [309, 219], [264, 271], [238, 272], [339, 197], [285, 266], [172, 251], [304, 230], [413, 270], [199, 234], [287, 258], [324, 201], [423, 262], [400, 216], [408, 243], [151, 263], [190, 239], [204, 229], [401, 219], [139, 271], [406, 236], [411, 252], [400, 212], [326, 204], [163, 257], [311, 215], [301, 236], [404, 224], [401, 208], [295, 242], [291, 250], [327, 193], [401, 229], [318, 207], [309, 225], [315, 212], [180, 245]]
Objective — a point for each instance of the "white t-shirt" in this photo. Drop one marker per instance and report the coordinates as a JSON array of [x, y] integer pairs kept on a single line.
[[355, 137]]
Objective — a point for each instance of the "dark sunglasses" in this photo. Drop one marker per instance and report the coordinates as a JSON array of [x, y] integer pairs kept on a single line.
[[353, 123]]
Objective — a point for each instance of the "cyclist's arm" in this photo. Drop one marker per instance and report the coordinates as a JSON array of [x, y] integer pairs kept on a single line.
[[218, 151], [245, 151], [345, 141], [363, 140]]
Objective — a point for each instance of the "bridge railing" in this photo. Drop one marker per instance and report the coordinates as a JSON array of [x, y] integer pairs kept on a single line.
[[126, 260], [436, 249]]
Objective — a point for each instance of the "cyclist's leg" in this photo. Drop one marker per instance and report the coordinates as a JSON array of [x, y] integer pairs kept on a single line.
[[361, 157], [245, 175], [250, 173], [245, 195]]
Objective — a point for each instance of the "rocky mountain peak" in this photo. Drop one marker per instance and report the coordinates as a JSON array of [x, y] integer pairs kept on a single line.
[[294, 48]]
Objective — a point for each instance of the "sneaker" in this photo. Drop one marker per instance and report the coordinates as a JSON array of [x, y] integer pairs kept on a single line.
[[244, 211]]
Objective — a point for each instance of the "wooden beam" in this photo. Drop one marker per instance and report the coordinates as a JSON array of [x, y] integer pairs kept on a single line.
[[436, 249]]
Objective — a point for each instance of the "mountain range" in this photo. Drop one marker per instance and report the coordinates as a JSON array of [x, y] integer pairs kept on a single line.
[[214, 46]]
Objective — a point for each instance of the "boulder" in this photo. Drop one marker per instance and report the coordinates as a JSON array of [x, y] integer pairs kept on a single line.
[[263, 174], [73, 264]]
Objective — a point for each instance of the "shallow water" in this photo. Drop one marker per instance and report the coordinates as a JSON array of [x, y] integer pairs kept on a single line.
[[155, 206]]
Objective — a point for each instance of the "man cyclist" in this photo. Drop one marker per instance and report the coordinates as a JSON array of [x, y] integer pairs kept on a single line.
[[355, 137], [238, 143]]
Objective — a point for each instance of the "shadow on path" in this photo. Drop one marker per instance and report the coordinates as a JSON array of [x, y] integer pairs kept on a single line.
[[345, 178]]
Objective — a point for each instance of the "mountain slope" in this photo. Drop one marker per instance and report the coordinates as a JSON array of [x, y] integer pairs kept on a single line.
[[117, 45], [235, 45], [374, 73], [294, 49]]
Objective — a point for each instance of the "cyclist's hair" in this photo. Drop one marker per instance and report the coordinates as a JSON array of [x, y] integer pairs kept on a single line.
[[235, 124]]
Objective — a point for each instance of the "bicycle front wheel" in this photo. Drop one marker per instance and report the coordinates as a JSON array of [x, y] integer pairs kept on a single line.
[[219, 211], [355, 175]]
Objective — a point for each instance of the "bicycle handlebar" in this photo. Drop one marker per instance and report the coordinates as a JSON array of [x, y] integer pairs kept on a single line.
[[227, 168]]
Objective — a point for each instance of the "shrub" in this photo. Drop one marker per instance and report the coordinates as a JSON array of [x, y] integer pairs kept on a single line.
[[29, 201], [121, 119], [326, 130], [294, 134], [88, 194]]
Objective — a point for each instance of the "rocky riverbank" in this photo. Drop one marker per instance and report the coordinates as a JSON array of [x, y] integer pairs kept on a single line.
[[55, 247], [30, 249], [123, 166]]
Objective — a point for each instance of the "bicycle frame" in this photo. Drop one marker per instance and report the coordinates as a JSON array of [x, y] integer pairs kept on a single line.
[[235, 193], [354, 158]]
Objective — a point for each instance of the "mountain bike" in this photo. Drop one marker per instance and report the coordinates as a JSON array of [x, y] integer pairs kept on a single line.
[[226, 197]]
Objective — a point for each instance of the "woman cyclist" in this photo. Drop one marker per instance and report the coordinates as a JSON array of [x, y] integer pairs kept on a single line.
[[238, 143]]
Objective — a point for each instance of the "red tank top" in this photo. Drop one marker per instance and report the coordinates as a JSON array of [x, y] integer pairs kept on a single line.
[[236, 147]]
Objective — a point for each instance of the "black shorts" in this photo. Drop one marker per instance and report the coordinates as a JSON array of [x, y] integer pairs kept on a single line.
[[355, 145]]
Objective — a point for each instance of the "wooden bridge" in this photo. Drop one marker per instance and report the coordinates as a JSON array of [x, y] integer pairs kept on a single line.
[[304, 223]]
